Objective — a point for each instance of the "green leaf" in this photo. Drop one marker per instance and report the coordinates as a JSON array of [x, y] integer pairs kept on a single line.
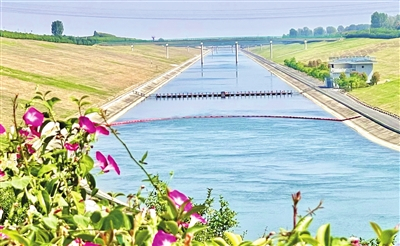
[[196, 228], [44, 200], [61, 202], [307, 238], [195, 209], [303, 224], [96, 216], [51, 222], [142, 235], [246, 243], [92, 110], [294, 239], [85, 103], [46, 93], [37, 98], [387, 236], [234, 240], [5, 184], [46, 169], [169, 226], [171, 212], [114, 220], [20, 182], [15, 236], [81, 221], [74, 99], [324, 235], [219, 241], [94, 192], [86, 164], [52, 101], [80, 205], [376, 228]]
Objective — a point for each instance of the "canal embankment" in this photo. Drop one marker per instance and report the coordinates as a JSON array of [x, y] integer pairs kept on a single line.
[[367, 126], [121, 104]]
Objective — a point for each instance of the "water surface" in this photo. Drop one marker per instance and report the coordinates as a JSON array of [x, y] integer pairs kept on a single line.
[[257, 163]]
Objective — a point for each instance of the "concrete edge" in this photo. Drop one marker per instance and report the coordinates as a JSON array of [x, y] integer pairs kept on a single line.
[[350, 124]]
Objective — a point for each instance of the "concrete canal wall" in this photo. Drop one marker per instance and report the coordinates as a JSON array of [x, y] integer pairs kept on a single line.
[[121, 104], [364, 126]]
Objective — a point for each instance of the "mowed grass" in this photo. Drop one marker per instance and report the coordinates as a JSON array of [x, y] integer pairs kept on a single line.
[[385, 95], [67, 70]]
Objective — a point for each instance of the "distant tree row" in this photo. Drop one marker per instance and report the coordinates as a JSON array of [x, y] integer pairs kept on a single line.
[[90, 40], [382, 26]]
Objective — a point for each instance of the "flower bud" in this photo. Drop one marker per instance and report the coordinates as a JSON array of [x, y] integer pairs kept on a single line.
[[296, 197]]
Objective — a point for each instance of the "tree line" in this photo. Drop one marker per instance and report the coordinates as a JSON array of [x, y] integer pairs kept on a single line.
[[57, 29], [382, 26]]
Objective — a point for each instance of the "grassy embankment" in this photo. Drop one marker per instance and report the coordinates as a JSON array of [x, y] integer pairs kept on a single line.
[[385, 95], [101, 72]]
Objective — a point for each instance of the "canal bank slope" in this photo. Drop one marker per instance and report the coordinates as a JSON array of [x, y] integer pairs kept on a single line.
[[368, 128], [121, 104]]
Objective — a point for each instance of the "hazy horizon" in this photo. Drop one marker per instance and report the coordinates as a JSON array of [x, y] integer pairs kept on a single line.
[[186, 19]]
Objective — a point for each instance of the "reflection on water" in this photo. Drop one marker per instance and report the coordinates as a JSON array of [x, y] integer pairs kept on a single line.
[[256, 164]]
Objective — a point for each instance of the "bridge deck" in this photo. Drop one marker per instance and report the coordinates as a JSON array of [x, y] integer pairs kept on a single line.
[[222, 94]]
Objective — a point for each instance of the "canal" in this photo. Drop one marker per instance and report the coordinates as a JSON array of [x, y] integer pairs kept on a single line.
[[257, 163]]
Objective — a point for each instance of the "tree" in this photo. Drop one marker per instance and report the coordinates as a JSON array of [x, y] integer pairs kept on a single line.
[[319, 31], [57, 28], [330, 30], [340, 29], [307, 32], [292, 33], [378, 19], [375, 78]]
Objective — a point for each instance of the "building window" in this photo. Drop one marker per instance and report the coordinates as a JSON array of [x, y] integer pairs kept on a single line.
[[332, 65]]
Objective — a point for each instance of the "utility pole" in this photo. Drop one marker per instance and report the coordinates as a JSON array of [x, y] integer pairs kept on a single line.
[[305, 44], [237, 51], [270, 49], [201, 52]]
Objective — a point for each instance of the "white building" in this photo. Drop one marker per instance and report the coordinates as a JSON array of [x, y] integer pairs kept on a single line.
[[347, 65]]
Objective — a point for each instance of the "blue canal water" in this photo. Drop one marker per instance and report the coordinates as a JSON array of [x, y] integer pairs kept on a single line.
[[257, 163]]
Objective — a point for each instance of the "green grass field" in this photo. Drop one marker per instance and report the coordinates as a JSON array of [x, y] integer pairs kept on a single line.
[[385, 95], [68, 70]]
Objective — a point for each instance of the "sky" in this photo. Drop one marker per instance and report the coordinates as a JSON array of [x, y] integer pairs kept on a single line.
[[187, 19]]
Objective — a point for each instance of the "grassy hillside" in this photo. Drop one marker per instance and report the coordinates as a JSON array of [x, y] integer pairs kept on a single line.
[[385, 95], [70, 70]]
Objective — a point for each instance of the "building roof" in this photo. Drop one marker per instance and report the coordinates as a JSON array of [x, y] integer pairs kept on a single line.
[[352, 60]]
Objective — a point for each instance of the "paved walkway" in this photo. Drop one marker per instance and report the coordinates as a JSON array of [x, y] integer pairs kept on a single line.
[[377, 126]]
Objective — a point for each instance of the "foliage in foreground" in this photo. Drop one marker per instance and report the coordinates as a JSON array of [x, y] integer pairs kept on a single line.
[[49, 194]]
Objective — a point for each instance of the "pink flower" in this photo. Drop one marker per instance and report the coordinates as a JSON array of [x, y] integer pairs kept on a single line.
[[23, 132], [355, 241], [2, 129], [102, 130], [86, 124], [112, 164], [163, 239], [30, 149], [2, 173], [107, 164], [33, 117], [179, 198], [71, 147]]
